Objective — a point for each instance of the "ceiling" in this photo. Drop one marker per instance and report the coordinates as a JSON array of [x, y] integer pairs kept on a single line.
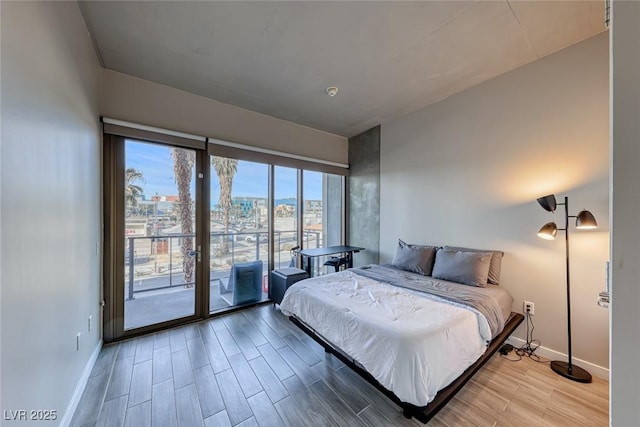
[[387, 58]]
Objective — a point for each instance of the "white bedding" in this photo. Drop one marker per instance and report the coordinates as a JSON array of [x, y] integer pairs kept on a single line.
[[412, 343]]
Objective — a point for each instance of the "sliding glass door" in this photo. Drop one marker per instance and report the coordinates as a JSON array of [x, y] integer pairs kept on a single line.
[[153, 235], [160, 234]]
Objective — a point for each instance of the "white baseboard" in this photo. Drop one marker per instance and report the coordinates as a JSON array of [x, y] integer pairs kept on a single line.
[[82, 383], [598, 371]]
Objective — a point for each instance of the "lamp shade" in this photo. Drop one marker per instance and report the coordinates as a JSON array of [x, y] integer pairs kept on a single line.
[[548, 231], [586, 220], [548, 203]]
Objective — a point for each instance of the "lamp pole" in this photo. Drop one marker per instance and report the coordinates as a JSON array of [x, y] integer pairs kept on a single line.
[[566, 240], [566, 369]]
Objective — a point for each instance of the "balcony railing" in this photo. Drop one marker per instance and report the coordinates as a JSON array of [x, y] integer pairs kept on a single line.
[[155, 263]]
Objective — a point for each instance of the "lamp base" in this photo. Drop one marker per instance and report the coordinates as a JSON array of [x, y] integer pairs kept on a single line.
[[575, 374]]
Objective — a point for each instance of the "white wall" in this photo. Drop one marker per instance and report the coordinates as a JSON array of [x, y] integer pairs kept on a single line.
[[625, 246], [50, 187], [136, 100], [467, 171]]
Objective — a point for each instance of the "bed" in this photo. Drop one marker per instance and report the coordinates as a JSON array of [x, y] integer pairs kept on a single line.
[[416, 338]]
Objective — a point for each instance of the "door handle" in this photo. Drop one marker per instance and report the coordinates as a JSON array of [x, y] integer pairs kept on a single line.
[[198, 252]]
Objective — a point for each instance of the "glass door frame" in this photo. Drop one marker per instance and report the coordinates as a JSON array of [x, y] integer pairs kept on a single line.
[[114, 229]]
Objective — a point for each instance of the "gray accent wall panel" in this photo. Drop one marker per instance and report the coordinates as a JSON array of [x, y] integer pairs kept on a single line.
[[364, 195], [332, 215]]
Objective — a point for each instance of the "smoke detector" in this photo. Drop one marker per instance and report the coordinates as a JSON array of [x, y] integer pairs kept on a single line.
[[332, 91]]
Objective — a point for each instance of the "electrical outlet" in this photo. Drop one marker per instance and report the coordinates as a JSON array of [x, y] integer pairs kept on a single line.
[[90, 323], [78, 341], [529, 307]]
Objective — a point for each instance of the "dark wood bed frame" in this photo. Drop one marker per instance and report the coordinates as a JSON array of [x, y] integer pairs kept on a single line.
[[421, 413]]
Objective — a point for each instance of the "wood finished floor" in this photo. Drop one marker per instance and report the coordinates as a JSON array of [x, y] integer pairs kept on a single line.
[[255, 368]]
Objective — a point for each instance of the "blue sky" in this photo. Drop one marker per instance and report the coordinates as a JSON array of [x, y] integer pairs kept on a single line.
[[251, 180]]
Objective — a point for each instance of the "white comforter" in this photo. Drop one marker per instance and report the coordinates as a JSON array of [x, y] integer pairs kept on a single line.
[[412, 343]]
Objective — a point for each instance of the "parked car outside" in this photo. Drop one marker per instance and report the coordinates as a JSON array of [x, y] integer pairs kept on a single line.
[[251, 238]]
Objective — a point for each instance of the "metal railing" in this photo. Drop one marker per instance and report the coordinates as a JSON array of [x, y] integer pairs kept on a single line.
[[155, 261]]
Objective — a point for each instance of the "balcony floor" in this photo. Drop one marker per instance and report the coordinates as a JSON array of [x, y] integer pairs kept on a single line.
[[159, 306]]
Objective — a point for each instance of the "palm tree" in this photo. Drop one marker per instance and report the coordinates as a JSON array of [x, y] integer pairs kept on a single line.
[[183, 162], [131, 191], [225, 169]]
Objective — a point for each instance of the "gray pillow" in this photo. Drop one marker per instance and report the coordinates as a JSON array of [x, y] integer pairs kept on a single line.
[[415, 258], [468, 268], [494, 267]]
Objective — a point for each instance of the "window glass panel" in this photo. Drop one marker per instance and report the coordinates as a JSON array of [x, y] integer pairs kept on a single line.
[[239, 232], [322, 211], [285, 214]]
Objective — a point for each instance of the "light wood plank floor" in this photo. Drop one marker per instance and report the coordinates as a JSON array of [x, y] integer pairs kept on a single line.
[[255, 368]]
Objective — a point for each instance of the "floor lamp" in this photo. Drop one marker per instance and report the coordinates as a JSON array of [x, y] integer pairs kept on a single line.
[[584, 220]]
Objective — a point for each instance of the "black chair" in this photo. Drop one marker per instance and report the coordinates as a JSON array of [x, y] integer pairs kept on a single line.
[[294, 256], [336, 262]]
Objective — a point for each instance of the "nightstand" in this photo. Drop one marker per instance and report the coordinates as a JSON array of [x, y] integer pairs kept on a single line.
[[281, 279]]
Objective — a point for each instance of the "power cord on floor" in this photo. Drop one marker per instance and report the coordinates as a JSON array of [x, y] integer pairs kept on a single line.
[[528, 349]]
